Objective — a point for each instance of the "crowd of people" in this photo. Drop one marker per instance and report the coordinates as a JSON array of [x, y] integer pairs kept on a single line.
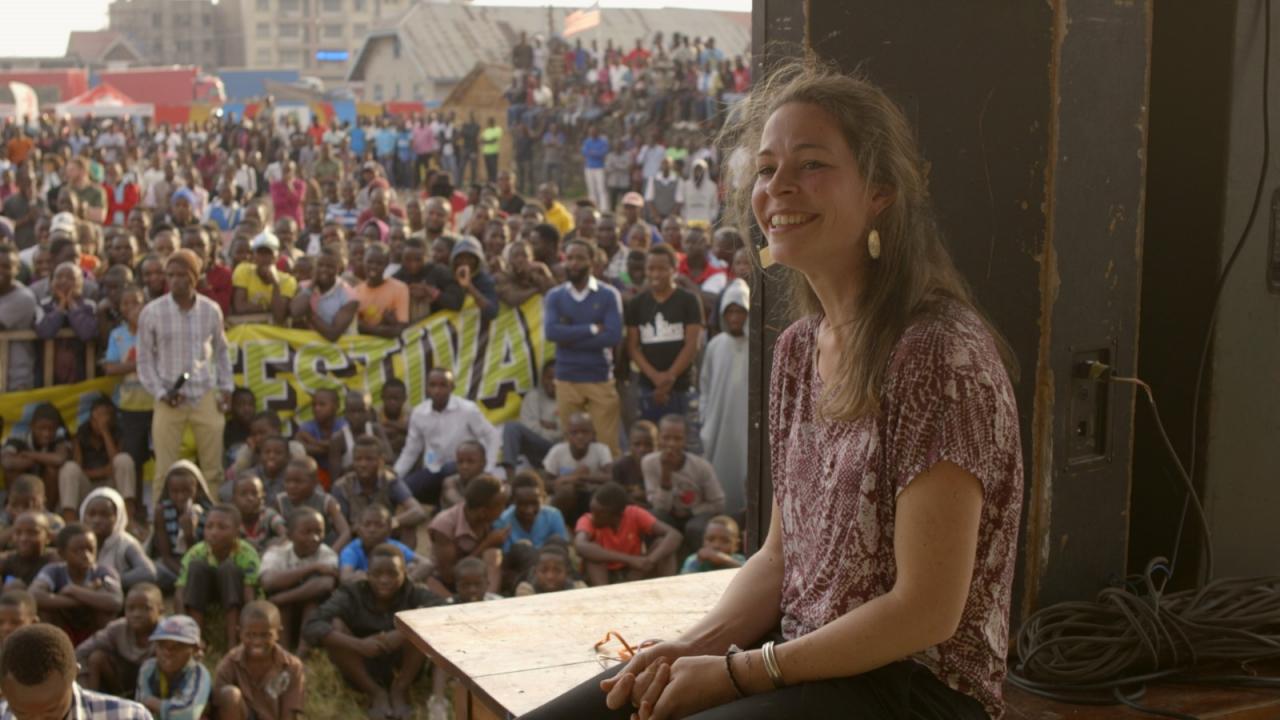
[[627, 459]]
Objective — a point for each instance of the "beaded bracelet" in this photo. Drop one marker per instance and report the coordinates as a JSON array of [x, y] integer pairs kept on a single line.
[[728, 665]]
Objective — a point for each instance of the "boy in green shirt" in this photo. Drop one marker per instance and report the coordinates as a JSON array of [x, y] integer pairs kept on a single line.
[[222, 569]]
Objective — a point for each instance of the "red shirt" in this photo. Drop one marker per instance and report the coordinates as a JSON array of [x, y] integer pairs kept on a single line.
[[627, 538], [217, 287], [118, 207], [707, 271]]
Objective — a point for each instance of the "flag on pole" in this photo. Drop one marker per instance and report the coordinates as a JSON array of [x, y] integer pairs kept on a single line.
[[26, 104], [579, 20]]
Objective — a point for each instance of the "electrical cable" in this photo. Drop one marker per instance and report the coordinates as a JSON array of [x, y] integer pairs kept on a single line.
[[1231, 262], [1105, 652]]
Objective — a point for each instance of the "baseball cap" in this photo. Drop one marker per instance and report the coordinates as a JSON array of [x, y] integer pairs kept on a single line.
[[63, 221], [370, 165], [178, 628], [633, 198], [265, 239]]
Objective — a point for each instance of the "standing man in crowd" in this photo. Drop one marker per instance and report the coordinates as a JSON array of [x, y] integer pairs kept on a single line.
[[93, 199], [24, 207], [491, 144], [183, 364], [594, 150], [17, 312], [664, 325], [583, 318]]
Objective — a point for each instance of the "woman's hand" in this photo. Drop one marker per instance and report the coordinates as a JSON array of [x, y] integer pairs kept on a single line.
[[689, 685], [632, 682]]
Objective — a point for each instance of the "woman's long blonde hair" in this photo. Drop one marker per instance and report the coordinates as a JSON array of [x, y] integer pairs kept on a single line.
[[914, 272]]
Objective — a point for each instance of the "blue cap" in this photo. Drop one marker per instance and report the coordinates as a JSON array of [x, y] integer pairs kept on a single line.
[[178, 628]]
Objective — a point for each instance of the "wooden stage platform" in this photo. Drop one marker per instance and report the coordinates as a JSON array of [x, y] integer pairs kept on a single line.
[[512, 655]]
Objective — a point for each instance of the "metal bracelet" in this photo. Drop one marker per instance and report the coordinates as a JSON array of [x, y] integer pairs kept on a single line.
[[771, 665]]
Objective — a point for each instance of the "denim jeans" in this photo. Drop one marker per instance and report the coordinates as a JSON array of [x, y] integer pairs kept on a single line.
[[519, 439], [678, 403]]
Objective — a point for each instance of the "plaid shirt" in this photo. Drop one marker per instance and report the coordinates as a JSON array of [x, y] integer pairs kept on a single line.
[[172, 341], [89, 705]]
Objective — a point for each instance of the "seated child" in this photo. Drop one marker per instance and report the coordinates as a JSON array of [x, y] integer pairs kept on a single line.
[[470, 461], [538, 427], [682, 487], [579, 465], [300, 573], [99, 460], [263, 425], [550, 573], [273, 458], [316, 433], [302, 489], [179, 519], [532, 523], [466, 530], [221, 569], [236, 432], [110, 658], [17, 609], [371, 483], [259, 524], [41, 453], [26, 494], [359, 423], [627, 471], [31, 539], [471, 577], [259, 679], [175, 685], [720, 543], [612, 539], [374, 529], [356, 628], [393, 419], [105, 513], [77, 594], [529, 518]]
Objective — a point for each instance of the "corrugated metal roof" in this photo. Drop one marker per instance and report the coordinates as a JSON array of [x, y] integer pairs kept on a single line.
[[446, 40]]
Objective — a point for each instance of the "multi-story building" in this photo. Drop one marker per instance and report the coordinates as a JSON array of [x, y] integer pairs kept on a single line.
[[178, 32], [319, 38]]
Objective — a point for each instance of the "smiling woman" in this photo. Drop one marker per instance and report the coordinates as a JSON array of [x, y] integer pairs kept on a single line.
[[893, 432]]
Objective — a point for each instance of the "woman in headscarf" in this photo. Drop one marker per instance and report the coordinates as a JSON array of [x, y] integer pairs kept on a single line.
[[103, 511]]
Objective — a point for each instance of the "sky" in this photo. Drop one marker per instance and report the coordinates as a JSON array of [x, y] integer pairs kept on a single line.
[[47, 23]]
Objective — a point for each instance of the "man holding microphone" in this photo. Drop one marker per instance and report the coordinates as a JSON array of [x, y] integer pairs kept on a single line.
[[182, 362]]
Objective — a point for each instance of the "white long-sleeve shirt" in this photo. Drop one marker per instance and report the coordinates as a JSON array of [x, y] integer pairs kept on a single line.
[[434, 436]]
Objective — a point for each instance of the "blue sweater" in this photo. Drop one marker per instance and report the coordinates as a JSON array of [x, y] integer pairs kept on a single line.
[[593, 152], [580, 355]]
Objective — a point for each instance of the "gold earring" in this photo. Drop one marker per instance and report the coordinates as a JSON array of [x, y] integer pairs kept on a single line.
[[873, 244]]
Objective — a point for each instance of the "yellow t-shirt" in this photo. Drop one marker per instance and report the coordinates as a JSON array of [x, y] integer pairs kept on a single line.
[[259, 293], [559, 216], [490, 140]]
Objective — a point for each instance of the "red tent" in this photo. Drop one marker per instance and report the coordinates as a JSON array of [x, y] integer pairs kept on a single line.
[[105, 101]]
